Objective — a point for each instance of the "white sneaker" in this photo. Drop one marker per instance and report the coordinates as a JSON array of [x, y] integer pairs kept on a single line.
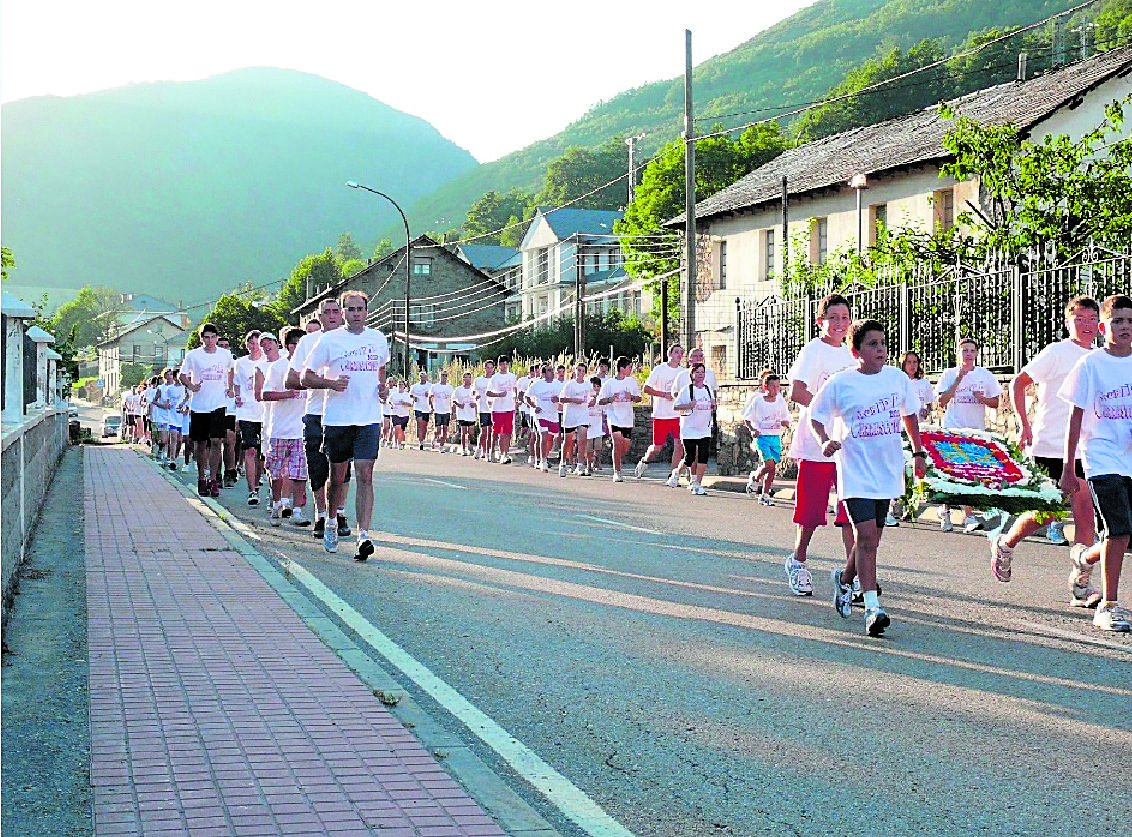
[[1082, 593], [692, 487], [945, 519], [298, 518], [276, 510], [545, 467], [1110, 616], [579, 470], [617, 477], [506, 460], [531, 461], [1056, 533], [890, 520], [971, 524], [477, 454], [561, 470], [798, 577], [699, 489], [1000, 557], [673, 480], [639, 470], [765, 499]]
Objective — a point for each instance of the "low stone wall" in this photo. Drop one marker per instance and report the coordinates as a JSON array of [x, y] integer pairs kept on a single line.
[[31, 452]]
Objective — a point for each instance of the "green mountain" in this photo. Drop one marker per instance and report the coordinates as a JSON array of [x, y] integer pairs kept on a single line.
[[184, 190], [794, 62]]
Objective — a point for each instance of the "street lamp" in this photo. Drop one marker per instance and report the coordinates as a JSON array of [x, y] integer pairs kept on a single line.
[[408, 260], [859, 182]]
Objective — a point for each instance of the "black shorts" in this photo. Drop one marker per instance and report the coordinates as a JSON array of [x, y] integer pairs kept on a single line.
[[863, 510], [421, 414], [205, 426], [318, 466], [524, 420], [1054, 466], [485, 420], [696, 451], [465, 423], [1112, 498], [627, 432], [573, 429], [251, 433], [442, 419], [344, 443], [401, 421], [230, 422]]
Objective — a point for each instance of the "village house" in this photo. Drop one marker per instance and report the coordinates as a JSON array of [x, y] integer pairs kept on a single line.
[[503, 264], [448, 298], [886, 174], [153, 342]]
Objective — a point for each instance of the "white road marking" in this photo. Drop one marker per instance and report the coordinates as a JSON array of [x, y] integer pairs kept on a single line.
[[1077, 637], [442, 482], [622, 525], [559, 790]]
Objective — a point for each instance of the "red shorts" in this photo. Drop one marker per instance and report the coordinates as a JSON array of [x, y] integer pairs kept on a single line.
[[811, 497], [662, 428], [503, 422], [548, 425]]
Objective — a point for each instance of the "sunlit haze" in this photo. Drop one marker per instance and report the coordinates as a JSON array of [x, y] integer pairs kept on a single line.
[[490, 77]]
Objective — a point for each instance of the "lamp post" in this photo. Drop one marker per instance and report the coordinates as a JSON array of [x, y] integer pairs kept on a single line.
[[859, 182], [408, 261]]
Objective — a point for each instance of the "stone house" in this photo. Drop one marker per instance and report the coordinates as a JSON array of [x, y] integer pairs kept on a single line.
[[503, 264], [155, 342], [449, 299], [885, 174]]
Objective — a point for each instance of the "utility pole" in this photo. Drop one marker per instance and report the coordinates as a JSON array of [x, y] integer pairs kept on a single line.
[[689, 198], [632, 143], [785, 230], [579, 304]]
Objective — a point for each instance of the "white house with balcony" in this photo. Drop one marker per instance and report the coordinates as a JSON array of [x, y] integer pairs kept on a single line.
[[895, 166], [567, 250]]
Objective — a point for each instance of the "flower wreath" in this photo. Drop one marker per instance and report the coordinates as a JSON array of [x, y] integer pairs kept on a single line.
[[983, 471]]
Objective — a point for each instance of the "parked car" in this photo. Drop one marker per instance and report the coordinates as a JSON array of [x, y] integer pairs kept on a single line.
[[72, 410], [112, 425]]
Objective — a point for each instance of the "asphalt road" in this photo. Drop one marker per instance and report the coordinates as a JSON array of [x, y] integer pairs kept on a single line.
[[643, 642]]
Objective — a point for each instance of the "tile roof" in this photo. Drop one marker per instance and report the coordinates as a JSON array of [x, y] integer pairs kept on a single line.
[[913, 139]]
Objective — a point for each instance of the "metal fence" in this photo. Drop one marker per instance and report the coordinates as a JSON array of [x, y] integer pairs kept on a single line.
[[1013, 313]]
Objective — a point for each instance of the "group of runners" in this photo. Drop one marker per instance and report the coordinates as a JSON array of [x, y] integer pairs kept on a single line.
[[313, 405]]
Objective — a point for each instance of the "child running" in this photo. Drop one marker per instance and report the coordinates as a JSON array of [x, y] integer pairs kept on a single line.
[[766, 415], [1100, 389], [694, 405], [856, 418]]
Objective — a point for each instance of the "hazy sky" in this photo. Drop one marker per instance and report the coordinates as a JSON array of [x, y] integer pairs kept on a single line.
[[493, 77]]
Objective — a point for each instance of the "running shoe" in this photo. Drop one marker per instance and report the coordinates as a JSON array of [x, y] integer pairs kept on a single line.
[[204, 488], [945, 519], [214, 488], [286, 511], [253, 498], [364, 548], [639, 470], [506, 460], [172, 465], [343, 527], [750, 488], [876, 621], [766, 500], [890, 520], [579, 470], [531, 461], [330, 539], [561, 470], [798, 577], [971, 524], [617, 477], [1110, 616], [545, 467], [1082, 593], [673, 480], [842, 595], [319, 528], [1056, 533], [299, 518], [859, 594], [699, 489], [1000, 556], [276, 516]]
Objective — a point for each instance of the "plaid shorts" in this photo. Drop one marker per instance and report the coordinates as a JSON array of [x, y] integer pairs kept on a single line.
[[287, 459]]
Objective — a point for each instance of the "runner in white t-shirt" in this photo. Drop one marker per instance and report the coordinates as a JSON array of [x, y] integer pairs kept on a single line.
[[542, 397], [1045, 441], [204, 373], [694, 405], [665, 422], [422, 407], [249, 411], [857, 417], [481, 385], [526, 437], [820, 359], [618, 395], [464, 401], [575, 398], [766, 416], [965, 391], [440, 400], [695, 355], [286, 460], [502, 390], [350, 363], [1100, 389]]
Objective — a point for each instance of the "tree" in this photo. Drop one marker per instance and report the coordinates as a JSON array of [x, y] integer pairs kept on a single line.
[[7, 260], [383, 248], [235, 317], [494, 211], [581, 173], [1058, 194], [555, 338], [651, 249], [1113, 24], [347, 248], [317, 270], [89, 318]]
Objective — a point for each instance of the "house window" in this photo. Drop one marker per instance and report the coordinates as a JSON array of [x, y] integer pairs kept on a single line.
[[423, 315], [880, 219], [137, 352], [542, 266], [722, 265], [422, 267], [819, 244], [719, 357], [768, 255], [944, 204]]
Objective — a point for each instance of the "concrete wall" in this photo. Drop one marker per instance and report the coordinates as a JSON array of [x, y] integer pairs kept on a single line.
[[31, 452]]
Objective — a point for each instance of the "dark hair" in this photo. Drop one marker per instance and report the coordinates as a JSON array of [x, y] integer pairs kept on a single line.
[[860, 328], [768, 377], [1113, 302], [595, 381], [503, 359], [622, 362], [829, 300], [1082, 301], [695, 366], [971, 340], [603, 361], [255, 332], [919, 364], [293, 334], [207, 327]]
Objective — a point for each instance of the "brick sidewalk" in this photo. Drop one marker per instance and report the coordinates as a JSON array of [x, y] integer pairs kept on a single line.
[[214, 709]]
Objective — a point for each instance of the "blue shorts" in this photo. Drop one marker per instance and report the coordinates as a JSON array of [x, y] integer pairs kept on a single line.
[[342, 444], [770, 447]]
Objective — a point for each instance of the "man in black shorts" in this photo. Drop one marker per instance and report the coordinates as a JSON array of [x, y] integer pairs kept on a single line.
[[204, 373]]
